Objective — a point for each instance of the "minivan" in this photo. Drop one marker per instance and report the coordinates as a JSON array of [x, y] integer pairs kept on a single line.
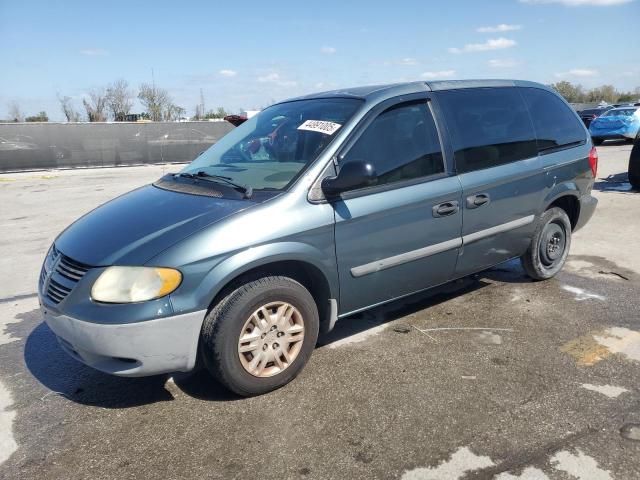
[[315, 209]]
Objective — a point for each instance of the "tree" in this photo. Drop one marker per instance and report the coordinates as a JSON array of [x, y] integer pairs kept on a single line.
[[173, 112], [606, 93], [119, 99], [70, 113], [40, 117], [95, 105], [155, 100], [220, 112], [627, 97], [571, 93], [15, 113], [199, 114]]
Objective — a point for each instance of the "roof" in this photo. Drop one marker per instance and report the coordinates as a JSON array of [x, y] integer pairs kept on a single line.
[[379, 92]]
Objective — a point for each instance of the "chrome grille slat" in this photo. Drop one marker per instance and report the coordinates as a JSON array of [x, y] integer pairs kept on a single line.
[[59, 288], [70, 274], [73, 264], [57, 298]]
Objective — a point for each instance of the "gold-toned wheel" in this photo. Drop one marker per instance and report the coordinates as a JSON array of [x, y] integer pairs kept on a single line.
[[271, 339]]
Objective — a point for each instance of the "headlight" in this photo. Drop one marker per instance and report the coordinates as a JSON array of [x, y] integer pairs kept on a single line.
[[134, 284]]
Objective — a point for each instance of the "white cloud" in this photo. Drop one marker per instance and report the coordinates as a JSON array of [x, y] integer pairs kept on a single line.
[[94, 52], [324, 85], [503, 27], [408, 61], [276, 79], [579, 3], [328, 50], [502, 63], [491, 44], [226, 72], [438, 74], [578, 72]]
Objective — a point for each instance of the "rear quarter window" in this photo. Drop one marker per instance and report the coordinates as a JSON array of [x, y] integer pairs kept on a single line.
[[555, 123], [489, 127]]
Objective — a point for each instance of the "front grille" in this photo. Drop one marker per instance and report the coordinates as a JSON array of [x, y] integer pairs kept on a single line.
[[66, 274], [71, 269], [56, 291]]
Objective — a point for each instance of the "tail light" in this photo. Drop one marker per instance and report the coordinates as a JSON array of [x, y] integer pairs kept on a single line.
[[593, 161]]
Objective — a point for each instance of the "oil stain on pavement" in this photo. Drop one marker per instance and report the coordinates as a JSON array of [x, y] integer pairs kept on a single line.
[[596, 346]]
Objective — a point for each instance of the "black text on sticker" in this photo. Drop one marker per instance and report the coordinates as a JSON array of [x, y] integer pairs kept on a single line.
[[322, 126]]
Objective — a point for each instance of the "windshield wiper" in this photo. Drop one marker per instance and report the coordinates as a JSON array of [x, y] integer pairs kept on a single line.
[[245, 189]]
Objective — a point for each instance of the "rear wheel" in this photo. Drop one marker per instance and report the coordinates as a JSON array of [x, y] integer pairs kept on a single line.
[[260, 336], [549, 246]]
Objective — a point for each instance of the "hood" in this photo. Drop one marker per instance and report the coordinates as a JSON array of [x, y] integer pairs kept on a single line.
[[140, 224]]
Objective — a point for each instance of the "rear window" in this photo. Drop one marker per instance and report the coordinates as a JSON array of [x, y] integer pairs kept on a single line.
[[490, 127], [555, 123]]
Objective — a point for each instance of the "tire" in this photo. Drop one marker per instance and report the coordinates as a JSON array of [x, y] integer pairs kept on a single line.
[[634, 164], [541, 261], [241, 312], [597, 141]]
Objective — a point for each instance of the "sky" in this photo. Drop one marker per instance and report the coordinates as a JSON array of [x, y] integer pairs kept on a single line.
[[248, 54]]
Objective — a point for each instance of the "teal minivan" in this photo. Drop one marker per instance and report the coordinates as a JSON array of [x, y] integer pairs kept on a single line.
[[315, 209]]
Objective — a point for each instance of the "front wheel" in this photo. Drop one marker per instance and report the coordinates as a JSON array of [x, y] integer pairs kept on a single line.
[[549, 246], [260, 335]]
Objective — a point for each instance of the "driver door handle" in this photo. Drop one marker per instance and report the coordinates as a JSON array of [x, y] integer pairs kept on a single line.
[[445, 209], [475, 201]]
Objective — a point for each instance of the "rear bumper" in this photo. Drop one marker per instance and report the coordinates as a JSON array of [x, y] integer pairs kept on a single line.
[[588, 206], [607, 136], [139, 349]]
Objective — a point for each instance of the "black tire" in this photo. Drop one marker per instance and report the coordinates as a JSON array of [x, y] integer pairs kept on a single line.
[[634, 164], [224, 324], [541, 260], [597, 141]]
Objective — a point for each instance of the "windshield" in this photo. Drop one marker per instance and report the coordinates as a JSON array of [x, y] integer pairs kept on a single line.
[[268, 151], [623, 112]]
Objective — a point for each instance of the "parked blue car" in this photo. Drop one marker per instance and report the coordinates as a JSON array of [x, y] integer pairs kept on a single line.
[[617, 123], [315, 209]]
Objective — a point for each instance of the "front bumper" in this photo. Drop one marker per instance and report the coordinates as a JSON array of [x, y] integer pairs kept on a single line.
[[139, 349], [588, 206]]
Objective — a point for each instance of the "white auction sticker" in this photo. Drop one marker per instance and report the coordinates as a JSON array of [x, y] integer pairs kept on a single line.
[[322, 126]]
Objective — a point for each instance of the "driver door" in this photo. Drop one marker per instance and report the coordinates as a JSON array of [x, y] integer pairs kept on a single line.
[[402, 234]]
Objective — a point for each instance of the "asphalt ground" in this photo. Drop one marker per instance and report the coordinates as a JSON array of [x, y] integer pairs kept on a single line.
[[493, 376]]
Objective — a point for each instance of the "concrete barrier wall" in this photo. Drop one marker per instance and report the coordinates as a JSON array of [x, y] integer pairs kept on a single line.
[[36, 146]]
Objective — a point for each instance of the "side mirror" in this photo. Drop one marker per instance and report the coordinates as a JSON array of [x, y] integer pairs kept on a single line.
[[352, 175]]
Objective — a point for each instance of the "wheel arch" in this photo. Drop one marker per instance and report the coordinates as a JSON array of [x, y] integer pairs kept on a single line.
[[567, 198], [301, 262]]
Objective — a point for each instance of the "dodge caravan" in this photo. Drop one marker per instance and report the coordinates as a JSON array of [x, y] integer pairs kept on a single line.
[[317, 208]]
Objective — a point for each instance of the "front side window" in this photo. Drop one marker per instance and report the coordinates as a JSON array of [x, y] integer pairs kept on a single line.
[[270, 150], [555, 123], [490, 127], [401, 144]]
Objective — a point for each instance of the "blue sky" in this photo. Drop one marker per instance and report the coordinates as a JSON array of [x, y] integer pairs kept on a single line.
[[247, 54]]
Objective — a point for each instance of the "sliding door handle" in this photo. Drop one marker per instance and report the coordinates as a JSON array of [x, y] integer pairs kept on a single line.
[[475, 201], [445, 209]]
